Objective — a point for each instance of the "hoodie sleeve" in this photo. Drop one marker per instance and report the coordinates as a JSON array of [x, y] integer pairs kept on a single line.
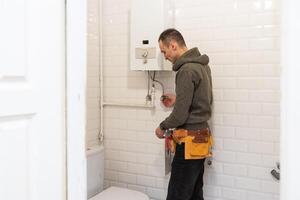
[[184, 95]]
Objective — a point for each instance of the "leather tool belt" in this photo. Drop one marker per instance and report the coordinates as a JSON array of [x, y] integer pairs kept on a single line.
[[198, 143]]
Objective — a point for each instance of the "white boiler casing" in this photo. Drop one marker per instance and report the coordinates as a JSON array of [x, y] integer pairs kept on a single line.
[[148, 19]]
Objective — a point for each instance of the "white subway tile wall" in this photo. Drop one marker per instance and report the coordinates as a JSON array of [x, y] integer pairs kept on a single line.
[[242, 39]]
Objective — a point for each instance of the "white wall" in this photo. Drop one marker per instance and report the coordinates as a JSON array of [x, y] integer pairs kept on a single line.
[[93, 73], [242, 39]]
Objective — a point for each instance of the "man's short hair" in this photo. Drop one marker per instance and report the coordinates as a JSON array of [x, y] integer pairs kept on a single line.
[[172, 34]]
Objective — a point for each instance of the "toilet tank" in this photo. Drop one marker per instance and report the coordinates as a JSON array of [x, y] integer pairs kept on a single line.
[[95, 170]]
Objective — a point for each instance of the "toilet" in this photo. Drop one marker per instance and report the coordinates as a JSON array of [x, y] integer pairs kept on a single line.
[[119, 193], [95, 179]]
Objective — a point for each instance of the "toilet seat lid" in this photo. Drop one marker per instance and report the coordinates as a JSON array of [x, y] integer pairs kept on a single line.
[[116, 193]]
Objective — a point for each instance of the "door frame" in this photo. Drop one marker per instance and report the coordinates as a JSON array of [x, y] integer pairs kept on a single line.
[[290, 98], [76, 53]]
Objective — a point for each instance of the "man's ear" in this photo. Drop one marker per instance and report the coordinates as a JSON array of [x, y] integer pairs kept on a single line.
[[173, 45]]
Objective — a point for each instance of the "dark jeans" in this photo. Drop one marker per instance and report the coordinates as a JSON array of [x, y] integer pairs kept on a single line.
[[186, 179]]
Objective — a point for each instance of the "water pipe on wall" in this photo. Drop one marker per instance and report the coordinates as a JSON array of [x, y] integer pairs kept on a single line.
[[100, 134]]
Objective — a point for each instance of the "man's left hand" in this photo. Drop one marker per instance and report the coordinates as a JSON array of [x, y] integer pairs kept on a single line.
[[159, 133]]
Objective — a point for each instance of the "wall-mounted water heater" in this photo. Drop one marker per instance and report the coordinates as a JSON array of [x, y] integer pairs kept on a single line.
[[148, 19]]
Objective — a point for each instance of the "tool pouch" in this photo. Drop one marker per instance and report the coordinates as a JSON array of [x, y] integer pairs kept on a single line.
[[200, 148], [198, 144]]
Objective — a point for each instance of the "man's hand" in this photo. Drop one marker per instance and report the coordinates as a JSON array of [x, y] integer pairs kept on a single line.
[[168, 100], [159, 133]]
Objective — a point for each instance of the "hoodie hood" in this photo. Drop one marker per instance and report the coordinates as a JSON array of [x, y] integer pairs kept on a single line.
[[191, 56]]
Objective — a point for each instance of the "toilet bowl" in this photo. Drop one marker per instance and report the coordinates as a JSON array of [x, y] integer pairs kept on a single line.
[[116, 193], [95, 180]]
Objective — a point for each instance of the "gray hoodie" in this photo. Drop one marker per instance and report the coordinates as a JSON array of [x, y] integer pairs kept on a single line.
[[192, 107]]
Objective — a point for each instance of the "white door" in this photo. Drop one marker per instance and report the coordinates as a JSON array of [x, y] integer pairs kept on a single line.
[[32, 96]]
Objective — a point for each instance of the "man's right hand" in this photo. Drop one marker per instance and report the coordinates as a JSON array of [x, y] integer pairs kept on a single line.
[[168, 100]]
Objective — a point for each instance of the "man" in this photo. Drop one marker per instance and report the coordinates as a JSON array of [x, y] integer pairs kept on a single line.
[[192, 110]]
